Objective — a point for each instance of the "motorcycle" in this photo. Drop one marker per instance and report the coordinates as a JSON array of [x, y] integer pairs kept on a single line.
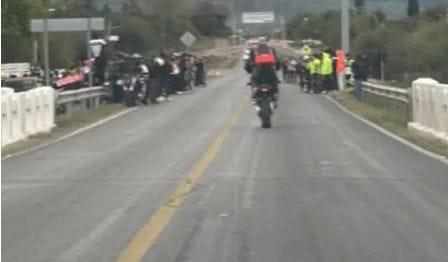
[[265, 103], [134, 88]]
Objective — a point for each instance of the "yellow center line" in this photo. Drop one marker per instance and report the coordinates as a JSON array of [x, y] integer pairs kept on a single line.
[[145, 238]]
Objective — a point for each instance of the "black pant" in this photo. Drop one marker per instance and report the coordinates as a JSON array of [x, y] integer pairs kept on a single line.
[[199, 78], [315, 83], [165, 86], [327, 82]]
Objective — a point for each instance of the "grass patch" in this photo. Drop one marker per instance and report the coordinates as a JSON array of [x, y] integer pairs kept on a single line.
[[63, 127], [86, 117], [390, 122]]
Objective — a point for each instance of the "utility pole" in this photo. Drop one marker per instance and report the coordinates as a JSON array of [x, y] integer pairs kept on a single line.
[[89, 53], [283, 27], [345, 25], [46, 53], [35, 52]]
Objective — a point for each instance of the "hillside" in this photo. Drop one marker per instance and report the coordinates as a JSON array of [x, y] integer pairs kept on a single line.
[[393, 8]]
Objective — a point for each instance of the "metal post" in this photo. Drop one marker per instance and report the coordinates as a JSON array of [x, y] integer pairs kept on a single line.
[[35, 52], [345, 25], [235, 33], [46, 54], [283, 27], [89, 53]]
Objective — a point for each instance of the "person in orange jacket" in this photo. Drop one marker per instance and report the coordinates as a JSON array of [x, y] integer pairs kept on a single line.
[[340, 68]]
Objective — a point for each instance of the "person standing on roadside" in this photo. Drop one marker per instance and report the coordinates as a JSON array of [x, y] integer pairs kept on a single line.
[[200, 72], [340, 69], [156, 78], [164, 77], [326, 71], [304, 74], [348, 71], [314, 67], [361, 73]]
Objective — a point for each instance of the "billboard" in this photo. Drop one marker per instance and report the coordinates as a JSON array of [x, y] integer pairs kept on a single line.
[[258, 17]]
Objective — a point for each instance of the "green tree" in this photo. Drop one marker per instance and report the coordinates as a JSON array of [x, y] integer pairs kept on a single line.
[[15, 17], [210, 19], [413, 8], [16, 37], [360, 5], [380, 16], [436, 13]]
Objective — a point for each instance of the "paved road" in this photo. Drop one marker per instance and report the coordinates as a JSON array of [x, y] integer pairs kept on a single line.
[[319, 186]]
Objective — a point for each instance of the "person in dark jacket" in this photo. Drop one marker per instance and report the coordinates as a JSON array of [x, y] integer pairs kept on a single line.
[[164, 77], [361, 72], [156, 78], [199, 72]]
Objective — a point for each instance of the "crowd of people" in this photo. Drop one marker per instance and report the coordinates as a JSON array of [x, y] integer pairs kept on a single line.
[[318, 72], [322, 72], [172, 73], [166, 74]]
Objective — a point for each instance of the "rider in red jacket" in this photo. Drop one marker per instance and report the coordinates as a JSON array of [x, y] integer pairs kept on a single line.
[[262, 64]]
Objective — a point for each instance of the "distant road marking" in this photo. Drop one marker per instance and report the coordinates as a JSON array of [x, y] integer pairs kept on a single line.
[[145, 238], [72, 134], [386, 132]]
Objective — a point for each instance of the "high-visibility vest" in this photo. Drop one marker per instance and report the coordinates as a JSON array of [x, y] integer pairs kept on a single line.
[[326, 67], [314, 66], [268, 58], [305, 50]]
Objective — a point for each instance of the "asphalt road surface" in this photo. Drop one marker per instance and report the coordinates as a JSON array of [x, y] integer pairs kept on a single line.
[[197, 179]]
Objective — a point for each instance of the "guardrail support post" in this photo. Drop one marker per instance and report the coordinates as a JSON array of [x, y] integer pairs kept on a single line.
[[68, 110], [96, 102]]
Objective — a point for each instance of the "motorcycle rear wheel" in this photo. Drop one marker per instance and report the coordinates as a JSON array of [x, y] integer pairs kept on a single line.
[[129, 99], [265, 113]]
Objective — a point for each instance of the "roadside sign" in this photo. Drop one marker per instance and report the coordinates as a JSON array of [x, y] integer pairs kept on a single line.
[[306, 50], [46, 26], [67, 24], [188, 39], [258, 17]]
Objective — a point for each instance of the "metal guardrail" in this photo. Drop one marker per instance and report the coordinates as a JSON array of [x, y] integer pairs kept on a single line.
[[85, 98], [65, 97], [396, 101], [387, 92]]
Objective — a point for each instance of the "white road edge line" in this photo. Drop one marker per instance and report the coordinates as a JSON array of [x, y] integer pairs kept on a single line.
[[72, 134], [386, 132]]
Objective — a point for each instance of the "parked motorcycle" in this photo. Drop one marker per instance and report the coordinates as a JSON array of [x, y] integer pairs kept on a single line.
[[264, 103], [134, 90]]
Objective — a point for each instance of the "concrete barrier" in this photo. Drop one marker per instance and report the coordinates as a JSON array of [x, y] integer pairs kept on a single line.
[[6, 129], [15, 120], [430, 109], [443, 114], [27, 113]]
